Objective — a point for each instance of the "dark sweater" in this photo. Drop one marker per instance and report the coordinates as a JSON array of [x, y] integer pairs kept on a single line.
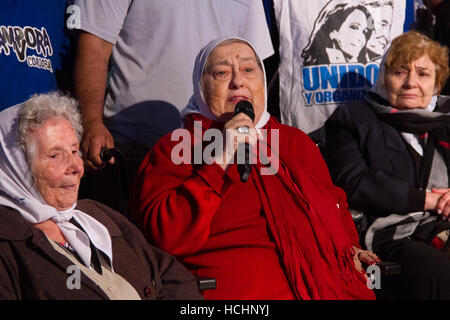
[[30, 268]]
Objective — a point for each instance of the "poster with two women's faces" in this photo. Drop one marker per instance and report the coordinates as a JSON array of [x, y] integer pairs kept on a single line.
[[330, 53]]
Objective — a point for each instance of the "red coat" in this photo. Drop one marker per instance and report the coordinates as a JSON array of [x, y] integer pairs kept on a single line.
[[215, 224]]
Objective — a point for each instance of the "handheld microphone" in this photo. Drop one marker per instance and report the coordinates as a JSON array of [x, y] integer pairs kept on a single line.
[[244, 169]]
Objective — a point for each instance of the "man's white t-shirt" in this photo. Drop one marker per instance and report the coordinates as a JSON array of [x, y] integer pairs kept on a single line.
[[155, 45]]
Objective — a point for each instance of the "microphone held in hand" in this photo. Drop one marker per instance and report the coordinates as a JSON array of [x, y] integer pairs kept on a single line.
[[245, 107], [244, 169]]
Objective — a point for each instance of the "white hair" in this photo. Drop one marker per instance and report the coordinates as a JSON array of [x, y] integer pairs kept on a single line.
[[43, 107]]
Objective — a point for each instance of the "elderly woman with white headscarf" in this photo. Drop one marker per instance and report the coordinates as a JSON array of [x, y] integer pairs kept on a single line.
[[53, 247], [391, 155], [280, 232]]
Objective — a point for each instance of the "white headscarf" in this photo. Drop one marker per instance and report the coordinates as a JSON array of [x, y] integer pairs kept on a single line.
[[380, 89], [18, 191], [197, 103]]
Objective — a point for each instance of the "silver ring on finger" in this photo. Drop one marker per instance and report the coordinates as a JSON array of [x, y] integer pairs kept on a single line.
[[242, 129]]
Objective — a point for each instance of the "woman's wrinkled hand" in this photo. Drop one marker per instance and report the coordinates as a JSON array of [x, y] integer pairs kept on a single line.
[[232, 137], [364, 257], [443, 204]]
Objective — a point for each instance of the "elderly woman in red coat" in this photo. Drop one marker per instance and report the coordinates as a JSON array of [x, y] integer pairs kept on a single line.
[[280, 230]]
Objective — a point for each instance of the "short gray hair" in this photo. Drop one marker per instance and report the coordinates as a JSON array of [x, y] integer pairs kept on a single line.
[[43, 107]]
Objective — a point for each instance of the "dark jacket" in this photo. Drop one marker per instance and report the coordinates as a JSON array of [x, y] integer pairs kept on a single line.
[[30, 268], [369, 159]]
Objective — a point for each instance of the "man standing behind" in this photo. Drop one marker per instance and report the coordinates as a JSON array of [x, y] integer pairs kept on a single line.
[[149, 47], [134, 63]]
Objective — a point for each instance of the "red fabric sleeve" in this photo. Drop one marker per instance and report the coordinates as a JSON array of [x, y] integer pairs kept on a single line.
[[174, 204]]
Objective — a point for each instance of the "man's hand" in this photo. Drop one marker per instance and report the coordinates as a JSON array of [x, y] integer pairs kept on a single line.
[[91, 69], [96, 137], [443, 204]]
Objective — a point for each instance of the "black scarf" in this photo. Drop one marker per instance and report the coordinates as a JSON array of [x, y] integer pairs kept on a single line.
[[436, 125]]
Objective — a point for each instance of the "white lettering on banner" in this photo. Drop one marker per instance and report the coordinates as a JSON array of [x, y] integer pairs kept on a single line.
[[330, 53], [22, 39], [330, 84], [41, 63]]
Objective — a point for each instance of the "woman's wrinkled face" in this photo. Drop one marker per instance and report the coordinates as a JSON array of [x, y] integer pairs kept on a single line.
[[232, 75], [411, 86], [351, 36], [57, 167]]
